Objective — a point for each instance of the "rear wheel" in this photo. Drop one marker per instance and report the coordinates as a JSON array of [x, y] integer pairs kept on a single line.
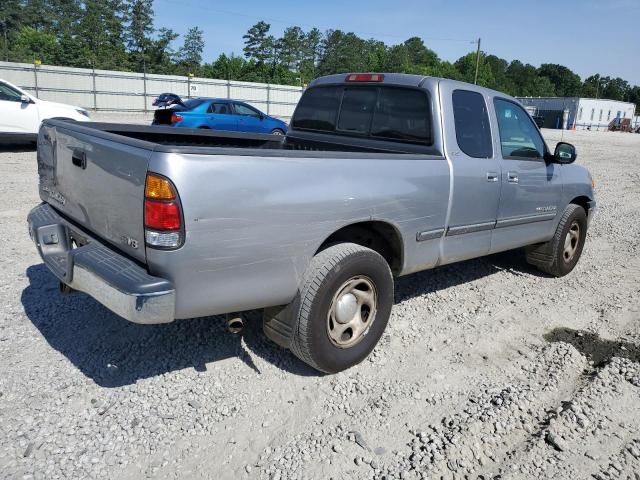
[[342, 307], [277, 131], [560, 255]]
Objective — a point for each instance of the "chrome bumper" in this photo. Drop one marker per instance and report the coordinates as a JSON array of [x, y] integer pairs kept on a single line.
[[84, 264]]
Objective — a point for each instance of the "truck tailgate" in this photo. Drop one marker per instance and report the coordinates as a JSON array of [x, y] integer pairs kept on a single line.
[[97, 182]]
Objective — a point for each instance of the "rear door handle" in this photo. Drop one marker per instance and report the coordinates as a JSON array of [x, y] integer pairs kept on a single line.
[[512, 177], [79, 159], [492, 176]]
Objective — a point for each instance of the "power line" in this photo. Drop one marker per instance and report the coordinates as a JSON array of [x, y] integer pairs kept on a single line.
[[291, 22]]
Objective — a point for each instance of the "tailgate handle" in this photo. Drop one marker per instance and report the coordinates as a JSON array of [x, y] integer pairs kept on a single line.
[[79, 159]]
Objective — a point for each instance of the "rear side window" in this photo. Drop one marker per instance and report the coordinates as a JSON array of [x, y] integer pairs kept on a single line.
[[386, 113], [220, 108], [472, 124], [318, 109]]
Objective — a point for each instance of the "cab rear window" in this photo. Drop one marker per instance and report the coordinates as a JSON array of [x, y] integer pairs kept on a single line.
[[385, 113]]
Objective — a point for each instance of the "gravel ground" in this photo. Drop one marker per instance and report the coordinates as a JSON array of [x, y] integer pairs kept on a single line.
[[488, 369]]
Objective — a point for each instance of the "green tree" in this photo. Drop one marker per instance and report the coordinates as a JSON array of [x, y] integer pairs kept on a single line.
[[31, 44], [190, 54], [291, 47], [160, 55], [342, 53], [616, 89], [565, 82], [258, 44], [525, 81], [100, 35], [11, 18], [138, 31], [420, 57], [466, 65], [501, 80]]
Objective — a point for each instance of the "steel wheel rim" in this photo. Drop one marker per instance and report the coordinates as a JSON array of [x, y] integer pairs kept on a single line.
[[352, 311], [571, 242]]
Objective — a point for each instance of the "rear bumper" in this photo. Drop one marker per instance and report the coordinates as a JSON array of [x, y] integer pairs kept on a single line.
[[84, 264]]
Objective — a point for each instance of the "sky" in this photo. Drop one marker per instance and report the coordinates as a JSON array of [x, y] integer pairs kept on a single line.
[[588, 36]]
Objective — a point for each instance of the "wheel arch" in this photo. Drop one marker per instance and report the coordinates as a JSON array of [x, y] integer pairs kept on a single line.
[[582, 201], [378, 235]]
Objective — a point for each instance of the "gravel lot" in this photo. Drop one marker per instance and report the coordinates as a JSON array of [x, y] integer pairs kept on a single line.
[[488, 369]]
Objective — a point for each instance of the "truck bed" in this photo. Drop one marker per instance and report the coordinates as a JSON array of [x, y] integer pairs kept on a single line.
[[189, 140]]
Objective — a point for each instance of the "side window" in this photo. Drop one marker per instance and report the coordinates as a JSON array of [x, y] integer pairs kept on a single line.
[[9, 94], [519, 138], [219, 108], [402, 114], [357, 110], [472, 124], [245, 110]]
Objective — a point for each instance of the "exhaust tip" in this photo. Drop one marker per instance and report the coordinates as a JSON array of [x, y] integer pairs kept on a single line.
[[235, 324]]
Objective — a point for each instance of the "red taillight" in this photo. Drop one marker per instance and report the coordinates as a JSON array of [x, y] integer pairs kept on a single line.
[[364, 77], [176, 118], [162, 215]]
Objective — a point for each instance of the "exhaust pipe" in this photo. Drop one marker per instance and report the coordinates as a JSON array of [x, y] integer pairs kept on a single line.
[[235, 323], [65, 289]]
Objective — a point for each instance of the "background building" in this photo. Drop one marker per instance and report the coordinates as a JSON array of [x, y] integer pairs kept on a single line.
[[579, 113]]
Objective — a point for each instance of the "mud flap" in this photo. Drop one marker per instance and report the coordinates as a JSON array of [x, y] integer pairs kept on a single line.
[[278, 324]]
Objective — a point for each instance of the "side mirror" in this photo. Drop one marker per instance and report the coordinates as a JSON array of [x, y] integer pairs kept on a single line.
[[25, 99], [262, 116], [565, 153]]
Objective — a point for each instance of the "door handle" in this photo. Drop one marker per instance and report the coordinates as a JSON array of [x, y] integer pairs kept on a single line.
[[492, 176], [512, 177], [79, 159]]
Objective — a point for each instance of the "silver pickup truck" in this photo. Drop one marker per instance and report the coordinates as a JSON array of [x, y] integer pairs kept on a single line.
[[380, 175]]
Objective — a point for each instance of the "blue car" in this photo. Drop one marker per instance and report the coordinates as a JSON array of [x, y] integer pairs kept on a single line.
[[219, 114]]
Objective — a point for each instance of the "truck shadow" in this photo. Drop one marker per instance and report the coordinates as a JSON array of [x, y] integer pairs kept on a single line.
[[114, 352], [441, 278], [17, 147]]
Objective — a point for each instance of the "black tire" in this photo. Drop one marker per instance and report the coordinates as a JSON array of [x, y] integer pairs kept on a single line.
[[552, 257], [277, 131], [328, 272]]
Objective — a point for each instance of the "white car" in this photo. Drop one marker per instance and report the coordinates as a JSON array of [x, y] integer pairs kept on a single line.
[[22, 113]]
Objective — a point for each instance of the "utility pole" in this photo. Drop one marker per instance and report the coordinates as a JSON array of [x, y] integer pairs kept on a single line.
[[475, 81]]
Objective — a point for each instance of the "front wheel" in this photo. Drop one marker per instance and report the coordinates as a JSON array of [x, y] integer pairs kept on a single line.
[[277, 131], [342, 307], [560, 255]]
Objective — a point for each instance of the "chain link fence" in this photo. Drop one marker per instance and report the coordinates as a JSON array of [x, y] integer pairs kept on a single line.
[[111, 91]]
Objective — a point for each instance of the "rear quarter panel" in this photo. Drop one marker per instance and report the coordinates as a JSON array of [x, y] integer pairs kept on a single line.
[[253, 222]]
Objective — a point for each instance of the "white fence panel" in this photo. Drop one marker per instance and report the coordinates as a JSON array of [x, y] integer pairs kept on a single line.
[[106, 90]]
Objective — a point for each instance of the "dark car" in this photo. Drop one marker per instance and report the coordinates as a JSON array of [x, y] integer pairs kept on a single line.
[[166, 100]]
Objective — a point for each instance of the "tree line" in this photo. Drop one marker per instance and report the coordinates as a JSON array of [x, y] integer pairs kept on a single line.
[[121, 35]]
